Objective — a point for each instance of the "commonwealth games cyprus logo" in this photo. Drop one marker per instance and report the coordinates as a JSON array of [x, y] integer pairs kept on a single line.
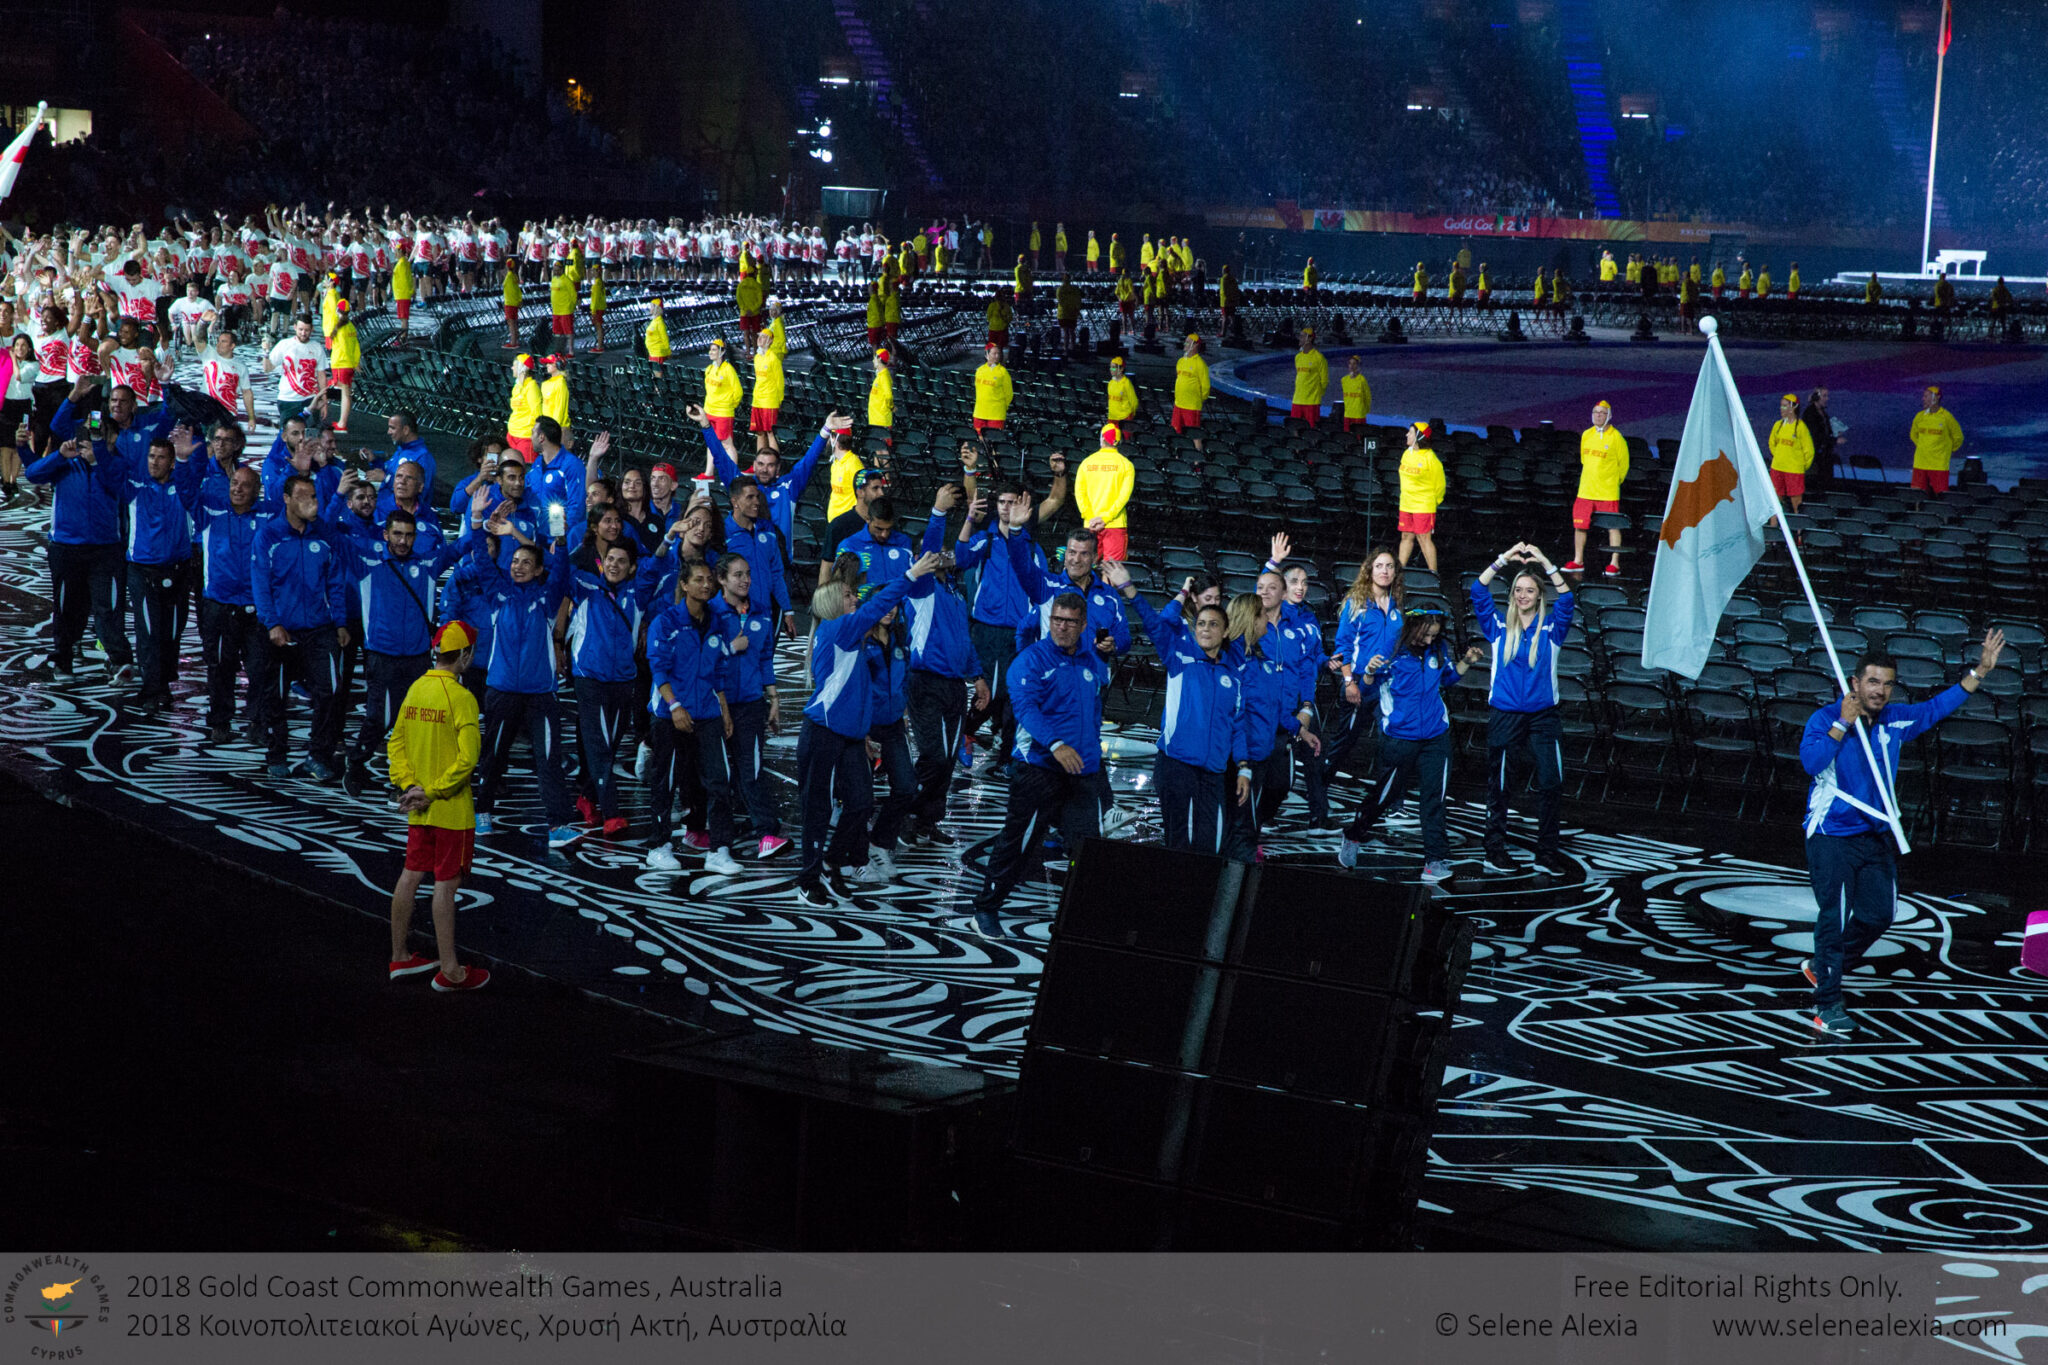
[[54, 1294]]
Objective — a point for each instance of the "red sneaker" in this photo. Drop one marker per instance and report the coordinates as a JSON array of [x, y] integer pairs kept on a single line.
[[698, 840], [614, 827], [414, 965], [1574, 567], [587, 811], [472, 980]]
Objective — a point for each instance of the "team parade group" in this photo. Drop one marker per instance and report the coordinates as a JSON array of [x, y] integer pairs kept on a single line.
[[548, 588]]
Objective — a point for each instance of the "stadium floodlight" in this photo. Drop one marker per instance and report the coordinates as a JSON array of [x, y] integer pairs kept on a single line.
[[825, 129], [825, 155]]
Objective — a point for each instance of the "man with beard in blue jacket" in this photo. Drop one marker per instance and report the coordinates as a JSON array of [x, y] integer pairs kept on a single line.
[[393, 586], [299, 578]]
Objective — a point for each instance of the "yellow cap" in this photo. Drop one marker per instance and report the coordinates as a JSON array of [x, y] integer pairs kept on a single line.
[[454, 637]]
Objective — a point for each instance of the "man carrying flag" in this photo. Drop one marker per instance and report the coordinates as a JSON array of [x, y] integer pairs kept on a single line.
[[1721, 499]]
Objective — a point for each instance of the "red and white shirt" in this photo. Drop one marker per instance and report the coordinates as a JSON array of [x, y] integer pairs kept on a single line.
[[53, 352], [227, 379], [299, 365], [283, 279], [125, 365], [233, 293], [138, 300]]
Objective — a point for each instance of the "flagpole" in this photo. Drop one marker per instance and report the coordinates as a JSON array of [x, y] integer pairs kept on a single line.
[[1933, 146], [1820, 620]]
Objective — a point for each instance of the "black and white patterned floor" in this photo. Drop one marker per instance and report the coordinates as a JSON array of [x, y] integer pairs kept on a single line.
[[1634, 1067]]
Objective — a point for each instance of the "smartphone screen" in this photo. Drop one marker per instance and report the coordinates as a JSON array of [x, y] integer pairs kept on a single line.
[[558, 522]]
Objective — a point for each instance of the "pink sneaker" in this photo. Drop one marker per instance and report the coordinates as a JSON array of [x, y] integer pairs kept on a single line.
[[698, 840], [772, 844]]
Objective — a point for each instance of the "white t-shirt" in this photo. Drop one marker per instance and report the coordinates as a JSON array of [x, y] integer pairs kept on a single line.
[[186, 311], [283, 279], [227, 379], [299, 364], [233, 293], [124, 366], [138, 300], [53, 351]]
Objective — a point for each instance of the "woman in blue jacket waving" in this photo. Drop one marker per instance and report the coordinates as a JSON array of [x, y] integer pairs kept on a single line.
[[831, 752], [1524, 641], [1200, 767], [1415, 729], [519, 686]]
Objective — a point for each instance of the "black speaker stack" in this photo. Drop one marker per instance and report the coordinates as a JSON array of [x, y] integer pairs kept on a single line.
[[1234, 1058], [762, 1139]]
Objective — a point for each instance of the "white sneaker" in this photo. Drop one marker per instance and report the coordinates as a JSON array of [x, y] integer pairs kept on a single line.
[[1116, 818], [1347, 853], [641, 759], [721, 861], [882, 864], [662, 858], [1438, 871]]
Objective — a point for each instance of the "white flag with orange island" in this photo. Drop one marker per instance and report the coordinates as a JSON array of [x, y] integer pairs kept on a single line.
[[1714, 518]]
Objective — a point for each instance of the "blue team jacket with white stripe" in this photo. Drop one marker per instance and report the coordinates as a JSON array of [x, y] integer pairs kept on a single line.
[[1525, 680], [842, 691]]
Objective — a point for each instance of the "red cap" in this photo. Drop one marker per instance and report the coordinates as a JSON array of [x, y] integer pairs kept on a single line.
[[667, 469]]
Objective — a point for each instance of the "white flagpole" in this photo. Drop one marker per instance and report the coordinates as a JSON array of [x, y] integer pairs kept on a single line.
[[1933, 145], [1820, 621]]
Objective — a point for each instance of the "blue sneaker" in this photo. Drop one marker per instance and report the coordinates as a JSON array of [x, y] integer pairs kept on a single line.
[[967, 754], [278, 771], [483, 823], [313, 770], [987, 925], [561, 836]]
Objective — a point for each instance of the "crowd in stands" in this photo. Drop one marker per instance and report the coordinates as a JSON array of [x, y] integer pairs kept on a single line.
[[1458, 109]]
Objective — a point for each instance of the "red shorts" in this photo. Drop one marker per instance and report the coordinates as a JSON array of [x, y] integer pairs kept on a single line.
[[1352, 423], [1788, 485], [1418, 523], [1584, 508], [1933, 480], [981, 425], [762, 419], [404, 309], [512, 314], [1112, 542], [565, 324], [721, 427], [443, 852], [874, 337], [1307, 412], [1187, 419], [888, 331], [522, 444], [750, 323], [1484, 294], [1095, 265], [1001, 339], [342, 378]]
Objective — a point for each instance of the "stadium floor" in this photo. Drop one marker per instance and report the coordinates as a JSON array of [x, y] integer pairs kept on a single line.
[[1632, 1065], [1999, 394]]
